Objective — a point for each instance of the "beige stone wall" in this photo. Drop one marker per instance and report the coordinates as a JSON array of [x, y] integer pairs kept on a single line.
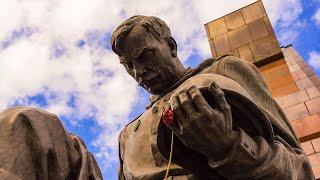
[[302, 107], [278, 77], [248, 34], [245, 33]]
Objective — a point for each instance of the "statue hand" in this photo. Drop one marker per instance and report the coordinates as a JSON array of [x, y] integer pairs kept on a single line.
[[199, 126]]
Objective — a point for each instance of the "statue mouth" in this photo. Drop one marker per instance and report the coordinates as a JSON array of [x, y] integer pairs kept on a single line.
[[149, 81]]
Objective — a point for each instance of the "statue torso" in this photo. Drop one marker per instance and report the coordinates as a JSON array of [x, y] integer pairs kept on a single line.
[[139, 150], [139, 147]]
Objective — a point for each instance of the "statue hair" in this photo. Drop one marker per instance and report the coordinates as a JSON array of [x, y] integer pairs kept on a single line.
[[158, 28]]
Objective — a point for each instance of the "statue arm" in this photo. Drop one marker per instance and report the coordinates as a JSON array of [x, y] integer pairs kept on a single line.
[[254, 156], [120, 170]]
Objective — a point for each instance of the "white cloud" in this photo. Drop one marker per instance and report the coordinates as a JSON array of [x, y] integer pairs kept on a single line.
[[284, 16], [288, 34], [92, 75], [316, 17], [314, 59], [28, 68], [285, 11], [20, 76]]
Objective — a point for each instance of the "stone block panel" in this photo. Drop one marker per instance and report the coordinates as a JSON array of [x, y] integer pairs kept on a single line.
[[243, 27], [293, 99], [239, 37], [295, 112], [269, 26], [304, 83], [298, 75], [290, 52], [262, 8], [302, 64], [258, 29], [279, 81], [296, 57], [264, 48], [278, 78], [295, 76], [293, 68], [252, 12], [313, 105], [245, 53], [315, 164], [294, 54], [307, 128], [316, 144], [221, 44], [207, 30], [276, 72], [289, 61], [234, 20], [308, 71], [315, 80], [217, 27], [213, 49], [313, 92], [284, 90], [307, 147]]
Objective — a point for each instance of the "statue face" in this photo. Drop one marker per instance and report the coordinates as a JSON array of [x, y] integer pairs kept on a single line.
[[152, 63]]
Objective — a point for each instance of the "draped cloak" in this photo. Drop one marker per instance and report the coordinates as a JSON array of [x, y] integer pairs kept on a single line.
[[145, 145], [35, 146]]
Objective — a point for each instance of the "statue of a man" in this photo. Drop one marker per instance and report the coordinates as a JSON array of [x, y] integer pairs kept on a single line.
[[225, 123]]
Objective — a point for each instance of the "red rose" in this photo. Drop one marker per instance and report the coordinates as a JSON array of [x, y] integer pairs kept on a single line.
[[167, 117]]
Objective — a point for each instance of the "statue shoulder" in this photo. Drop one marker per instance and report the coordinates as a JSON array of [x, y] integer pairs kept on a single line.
[[124, 129], [133, 120], [226, 61], [123, 133]]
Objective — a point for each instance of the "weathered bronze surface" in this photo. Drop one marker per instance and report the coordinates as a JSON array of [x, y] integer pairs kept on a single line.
[[34, 145], [226, 124]]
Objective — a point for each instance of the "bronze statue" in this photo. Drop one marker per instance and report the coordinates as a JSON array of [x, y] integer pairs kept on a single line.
[[226, 124], [34, 145]]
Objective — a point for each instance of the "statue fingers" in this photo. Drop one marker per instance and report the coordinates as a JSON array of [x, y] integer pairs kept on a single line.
[[219, 97], [188, 109], [222, 104], [175, 106], [199, 101]]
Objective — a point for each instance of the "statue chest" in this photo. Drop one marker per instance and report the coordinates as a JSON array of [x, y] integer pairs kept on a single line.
[[141, 156]]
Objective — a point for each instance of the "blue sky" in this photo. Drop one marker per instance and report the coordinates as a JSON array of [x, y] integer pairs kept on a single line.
[[56, 55]]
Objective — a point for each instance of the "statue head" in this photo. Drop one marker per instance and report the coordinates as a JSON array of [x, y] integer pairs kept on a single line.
[[148, 52]]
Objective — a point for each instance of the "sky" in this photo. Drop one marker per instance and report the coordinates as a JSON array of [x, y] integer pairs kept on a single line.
[[56, 55]]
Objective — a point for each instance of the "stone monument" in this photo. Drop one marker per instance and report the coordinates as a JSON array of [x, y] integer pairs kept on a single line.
[[247, 33]]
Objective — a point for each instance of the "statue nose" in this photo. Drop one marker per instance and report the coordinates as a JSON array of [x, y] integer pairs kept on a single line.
[[140, 72]]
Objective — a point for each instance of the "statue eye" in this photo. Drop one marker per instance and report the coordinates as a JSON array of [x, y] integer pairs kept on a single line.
[[148, 53]]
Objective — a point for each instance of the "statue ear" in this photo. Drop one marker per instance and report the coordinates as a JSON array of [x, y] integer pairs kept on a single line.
[[173, 46]]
